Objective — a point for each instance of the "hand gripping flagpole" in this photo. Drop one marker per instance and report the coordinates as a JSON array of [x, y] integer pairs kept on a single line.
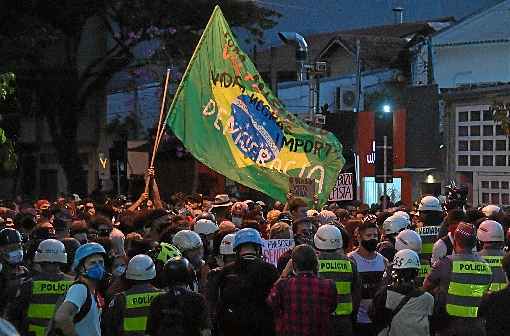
[[160, 130]]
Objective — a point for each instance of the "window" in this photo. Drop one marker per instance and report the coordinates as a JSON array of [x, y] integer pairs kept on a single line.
[[475, 115], [500, 160], [463, 131], [488, 145], [475, 131], [475, 160], [475, 145], [485, 184], [463, 116], [485, 198], [463, 160], [488, 130], [500, 145], [494, 184], [504, 199], [487, 115], [487, 160], [504, 184], [463, 146], [499, 130], [495, 198]]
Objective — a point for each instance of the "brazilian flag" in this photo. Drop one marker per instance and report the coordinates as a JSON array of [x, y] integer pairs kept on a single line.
[[229, 120]]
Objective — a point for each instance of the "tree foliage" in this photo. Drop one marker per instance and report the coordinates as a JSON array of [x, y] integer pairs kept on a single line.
[[41, 42]]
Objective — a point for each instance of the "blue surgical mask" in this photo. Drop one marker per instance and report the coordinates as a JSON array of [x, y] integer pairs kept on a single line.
[[119, 270], [95, 272], [15, 257]]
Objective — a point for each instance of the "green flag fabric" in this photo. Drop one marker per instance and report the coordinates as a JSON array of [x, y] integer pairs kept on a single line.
[[229, 120]]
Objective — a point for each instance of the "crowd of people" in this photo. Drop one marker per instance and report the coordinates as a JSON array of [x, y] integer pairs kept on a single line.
[[194, 266]]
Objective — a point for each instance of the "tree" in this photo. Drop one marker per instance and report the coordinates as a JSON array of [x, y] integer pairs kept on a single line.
[[40, 43], [8, 125]]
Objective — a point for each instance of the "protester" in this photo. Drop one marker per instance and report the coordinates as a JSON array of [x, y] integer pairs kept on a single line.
[[303, 303], [371, 266], [80, 313]]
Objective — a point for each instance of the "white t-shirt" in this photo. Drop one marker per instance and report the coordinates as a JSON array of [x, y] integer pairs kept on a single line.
[[371, 273], [413, 318], [90, 325]]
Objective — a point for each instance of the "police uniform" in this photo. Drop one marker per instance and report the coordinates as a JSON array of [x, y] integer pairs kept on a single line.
[[35, 305], [428, 235], [128, 311], [340, 269], [494, 257]]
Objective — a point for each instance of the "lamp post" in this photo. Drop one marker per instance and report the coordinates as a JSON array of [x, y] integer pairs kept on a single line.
[[384, 149]]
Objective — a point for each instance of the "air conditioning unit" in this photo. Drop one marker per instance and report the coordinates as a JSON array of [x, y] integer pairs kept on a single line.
[[345, 99]]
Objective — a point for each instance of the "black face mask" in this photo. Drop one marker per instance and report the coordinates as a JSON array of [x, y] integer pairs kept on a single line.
[[370, 245]]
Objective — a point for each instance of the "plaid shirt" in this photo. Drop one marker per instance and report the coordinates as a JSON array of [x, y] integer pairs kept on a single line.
[[303, 305]]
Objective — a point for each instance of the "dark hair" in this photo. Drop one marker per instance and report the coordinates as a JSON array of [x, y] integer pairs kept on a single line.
[[96, 221], [304, 258], [367, 225], [296, 203], [455, 216]]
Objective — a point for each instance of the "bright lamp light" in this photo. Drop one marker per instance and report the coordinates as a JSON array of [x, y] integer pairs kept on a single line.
[[386, 108]]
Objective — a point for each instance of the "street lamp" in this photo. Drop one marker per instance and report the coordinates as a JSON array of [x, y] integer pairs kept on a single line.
[[386, 108]]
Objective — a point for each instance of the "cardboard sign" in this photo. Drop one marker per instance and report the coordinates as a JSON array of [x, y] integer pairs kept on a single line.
[[343, 188], [274, 248], [302, 187]]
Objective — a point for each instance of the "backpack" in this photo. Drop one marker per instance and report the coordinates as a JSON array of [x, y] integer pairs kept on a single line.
[[84, 310]]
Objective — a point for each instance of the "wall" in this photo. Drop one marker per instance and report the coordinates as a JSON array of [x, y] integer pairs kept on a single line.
[[470, 64]]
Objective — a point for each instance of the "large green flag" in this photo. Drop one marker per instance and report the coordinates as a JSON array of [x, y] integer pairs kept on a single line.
[[229, 119]]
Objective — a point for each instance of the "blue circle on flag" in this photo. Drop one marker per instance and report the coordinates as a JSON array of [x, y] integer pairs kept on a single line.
[[257, 134]]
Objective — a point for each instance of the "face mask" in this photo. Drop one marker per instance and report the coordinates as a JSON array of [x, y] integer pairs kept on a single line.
[[95, 272], [237, 221], [249, 256], [15, 257], [370, 245]]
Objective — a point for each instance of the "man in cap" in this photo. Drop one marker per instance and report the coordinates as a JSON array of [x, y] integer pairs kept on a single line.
[[461, 279]]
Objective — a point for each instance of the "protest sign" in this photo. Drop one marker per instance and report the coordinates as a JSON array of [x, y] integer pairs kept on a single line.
[[343, 188], [302, 187], [274, 248]]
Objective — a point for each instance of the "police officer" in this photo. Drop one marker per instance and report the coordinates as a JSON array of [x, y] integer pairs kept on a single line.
[[127, 312], [391, 228], [243, 289], [32, 310], [490, 234], [409, 239], [334, 265], [191, 246], [179, 311], [431, 215], [227, 256], [12, 271], [462, 279]]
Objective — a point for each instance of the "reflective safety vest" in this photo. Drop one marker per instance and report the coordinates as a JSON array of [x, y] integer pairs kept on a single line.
[[338, 269], [493, 258], [423, 271], [428, 235], [42, 304], [470, 279], [136, 309]]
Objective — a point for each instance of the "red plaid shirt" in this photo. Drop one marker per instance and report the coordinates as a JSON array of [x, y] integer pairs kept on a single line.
[[303, 305]]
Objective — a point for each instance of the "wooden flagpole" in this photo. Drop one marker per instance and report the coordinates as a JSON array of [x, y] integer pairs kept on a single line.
[[160, 129]]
